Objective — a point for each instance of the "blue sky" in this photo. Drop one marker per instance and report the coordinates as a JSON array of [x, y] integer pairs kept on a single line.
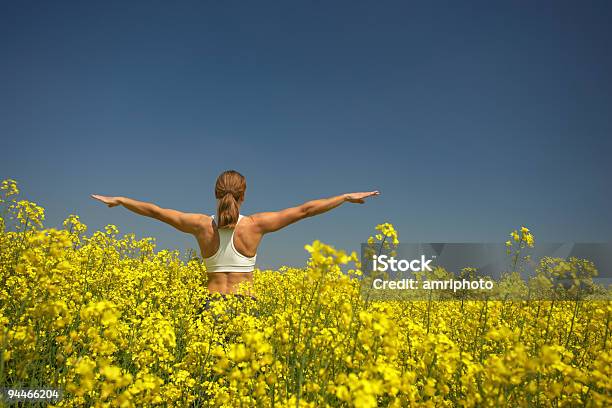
[[471, 118]]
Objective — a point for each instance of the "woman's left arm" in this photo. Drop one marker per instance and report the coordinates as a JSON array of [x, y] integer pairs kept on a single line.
[[185, 222]]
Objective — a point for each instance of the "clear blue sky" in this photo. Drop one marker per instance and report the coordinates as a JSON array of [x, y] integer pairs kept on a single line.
[[471, 118]]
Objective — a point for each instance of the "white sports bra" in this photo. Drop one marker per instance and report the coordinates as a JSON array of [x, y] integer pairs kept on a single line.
[[227, 258]]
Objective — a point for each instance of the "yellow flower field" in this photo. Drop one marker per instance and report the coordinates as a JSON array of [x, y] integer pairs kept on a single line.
[[111, 321]]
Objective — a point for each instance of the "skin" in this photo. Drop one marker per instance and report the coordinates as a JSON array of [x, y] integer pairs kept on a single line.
[[247, 235]]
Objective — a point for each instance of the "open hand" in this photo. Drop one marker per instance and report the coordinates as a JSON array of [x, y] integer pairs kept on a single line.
[[110, 201], [360, 197]]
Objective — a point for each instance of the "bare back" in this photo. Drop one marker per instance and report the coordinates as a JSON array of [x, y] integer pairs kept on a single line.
[[246, 241]]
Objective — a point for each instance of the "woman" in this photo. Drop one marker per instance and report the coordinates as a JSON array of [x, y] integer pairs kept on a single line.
[[228, 240]]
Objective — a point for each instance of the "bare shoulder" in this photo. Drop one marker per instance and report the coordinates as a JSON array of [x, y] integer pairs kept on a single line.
[[249, 220], [254, 222], [266, 222], [258, 218], [200, 221], [204, 218]]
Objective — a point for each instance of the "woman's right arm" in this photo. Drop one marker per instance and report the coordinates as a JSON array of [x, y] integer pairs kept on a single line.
[[273, 221]]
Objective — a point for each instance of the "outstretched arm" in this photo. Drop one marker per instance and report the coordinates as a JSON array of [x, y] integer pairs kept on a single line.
[[273, 221], [185, 222]]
